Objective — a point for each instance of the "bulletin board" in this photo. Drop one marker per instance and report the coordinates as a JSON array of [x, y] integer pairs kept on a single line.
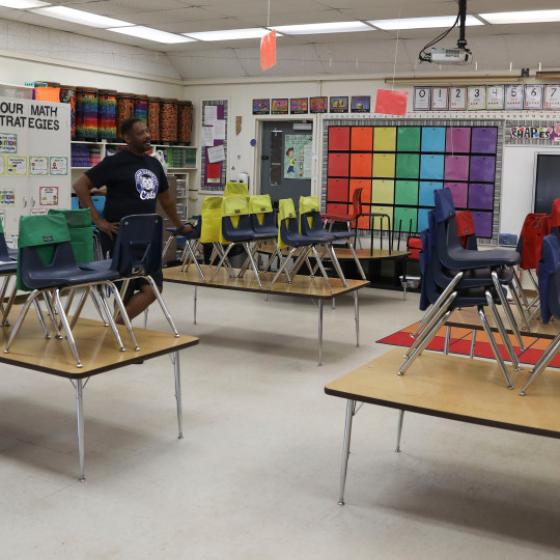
[[399, 165], [214, 144]]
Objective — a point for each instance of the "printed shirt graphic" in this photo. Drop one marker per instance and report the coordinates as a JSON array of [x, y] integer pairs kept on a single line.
[[147, 184]]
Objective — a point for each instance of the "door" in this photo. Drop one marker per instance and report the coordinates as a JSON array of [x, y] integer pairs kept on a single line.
[[286, 159]]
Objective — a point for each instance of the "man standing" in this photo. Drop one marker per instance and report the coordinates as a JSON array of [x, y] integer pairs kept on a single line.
[[135, 182]]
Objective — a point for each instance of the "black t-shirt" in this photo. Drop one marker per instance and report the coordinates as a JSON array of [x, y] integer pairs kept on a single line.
[[133, 184]]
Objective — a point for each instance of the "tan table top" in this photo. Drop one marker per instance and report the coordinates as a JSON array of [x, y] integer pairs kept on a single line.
[[456, 388], [345, 254], [302, 286], [96, 345]]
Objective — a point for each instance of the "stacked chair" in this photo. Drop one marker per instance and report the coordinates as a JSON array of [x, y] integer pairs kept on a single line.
[[311, 223], [47, 265], [8, 269], [191, 242], [263, 222], [211, 226], [351, 218], [549, 293], [454, 277]]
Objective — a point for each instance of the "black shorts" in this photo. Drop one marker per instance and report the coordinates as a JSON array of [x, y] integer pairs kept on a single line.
[[107, 246]]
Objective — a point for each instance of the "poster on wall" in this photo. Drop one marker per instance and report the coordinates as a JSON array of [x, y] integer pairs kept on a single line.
[[38, 165], [214, 154], [318, 104], [476, 98], [261, 106], [422, 98], [8, 143], [514, 97], [16, 165], [48, 196], [552, 98], [533, 97], [360, 104], [440, 99], [280, 106], [495, 98], [458, 98], [59, 165], [339, 104], [297, 156], [299, 106]]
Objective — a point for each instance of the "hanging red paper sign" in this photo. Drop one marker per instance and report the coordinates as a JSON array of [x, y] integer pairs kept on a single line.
[[391, 102], [268, 51]]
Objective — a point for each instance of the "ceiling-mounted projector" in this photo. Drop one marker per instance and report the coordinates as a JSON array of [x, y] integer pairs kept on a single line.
[[448, 56]]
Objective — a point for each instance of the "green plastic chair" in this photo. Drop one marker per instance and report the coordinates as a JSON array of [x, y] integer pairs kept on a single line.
[[81, 233]]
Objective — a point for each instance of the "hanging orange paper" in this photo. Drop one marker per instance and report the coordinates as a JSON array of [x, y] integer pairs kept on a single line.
[[268, 51], [47, 94], [391, 102]]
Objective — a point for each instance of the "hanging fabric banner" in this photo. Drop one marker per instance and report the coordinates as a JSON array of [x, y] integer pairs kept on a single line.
[[268, 51]]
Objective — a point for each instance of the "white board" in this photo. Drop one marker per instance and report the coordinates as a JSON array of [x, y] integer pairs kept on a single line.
[[35, 153]]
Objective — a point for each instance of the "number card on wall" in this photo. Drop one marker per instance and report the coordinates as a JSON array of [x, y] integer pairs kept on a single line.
[[514, 97], [552, 98], [477, 98], [495, 98], [440, 99], [533, 97], [458, 98], [422, 98]]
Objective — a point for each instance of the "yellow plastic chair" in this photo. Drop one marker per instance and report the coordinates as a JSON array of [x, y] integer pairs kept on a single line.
[[211, 229], [263, 220], [236, 189]]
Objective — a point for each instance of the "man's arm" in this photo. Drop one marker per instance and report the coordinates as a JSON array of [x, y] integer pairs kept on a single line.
[[82, 188], [169, 208]]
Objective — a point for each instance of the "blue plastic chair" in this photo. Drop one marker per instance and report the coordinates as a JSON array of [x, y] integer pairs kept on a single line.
[[191, 242]]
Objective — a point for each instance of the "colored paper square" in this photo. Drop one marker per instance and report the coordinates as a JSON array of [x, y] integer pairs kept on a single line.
[[426, 194], [406, 192], [360, 165], [268, 51], [384, 138], [379, 222], [431, 167], [383, 191], [458, 139], [408, 138], [423, 218], [483, 224], [459, 192], [408, 166], [391, 102], [481, 196], [337, 208], [484, 140], [337, 190], [406, 219], [339, 138], [365, 185], [384, 165], [433, 139], [483, 168], [457, 168], [362, 138], [339, 165]]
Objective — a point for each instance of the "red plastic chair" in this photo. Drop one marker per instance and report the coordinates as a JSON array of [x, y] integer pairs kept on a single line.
[[535, 228], [555, 214], [352, 217]]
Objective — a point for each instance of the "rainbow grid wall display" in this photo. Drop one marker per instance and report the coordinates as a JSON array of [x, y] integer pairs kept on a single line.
[[400, 167]]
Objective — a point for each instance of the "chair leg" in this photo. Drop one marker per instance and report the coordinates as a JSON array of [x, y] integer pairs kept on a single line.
[[190, 249], [357, 261], [283, 265], [20, 319], [166, 247], [507, 309], [99, 307], [502, 330], [99, 289], [494, 346], [80, 307], [222, 260], [245, 266], [300, 260], [319, 263], [66, 328], [49, 297], [541, 365], [10, 303], [336, 265], [249, 252], [161, 302], [126, 319], [41, 318]]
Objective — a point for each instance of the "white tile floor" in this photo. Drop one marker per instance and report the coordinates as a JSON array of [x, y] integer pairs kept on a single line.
[[256, 476]]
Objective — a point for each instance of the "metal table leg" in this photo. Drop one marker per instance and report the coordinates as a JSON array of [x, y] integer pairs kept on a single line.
[[195, 302], [320, 306], [357, 317], [399, 431], [350, 411], [178, 395], [79, 386]]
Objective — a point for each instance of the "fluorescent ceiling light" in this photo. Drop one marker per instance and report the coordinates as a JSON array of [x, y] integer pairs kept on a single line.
[[151, 34], [528, 16], [23, 4], [229, 34], [331, 27], [421, 22], [79, 16]]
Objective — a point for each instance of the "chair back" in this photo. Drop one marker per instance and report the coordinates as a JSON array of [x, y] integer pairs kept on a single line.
[[43, 242], [549, 278], [466, 230], [309, 215], [414, 247], [535, 228], [262, 211], [287, 222], [357, 204], [99, 203], [211, 216], [81, 232], [234, 188], [138, 246], [235, 217], [4, 251]]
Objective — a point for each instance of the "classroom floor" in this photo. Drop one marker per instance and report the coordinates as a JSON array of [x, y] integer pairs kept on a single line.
[[256, 476]]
